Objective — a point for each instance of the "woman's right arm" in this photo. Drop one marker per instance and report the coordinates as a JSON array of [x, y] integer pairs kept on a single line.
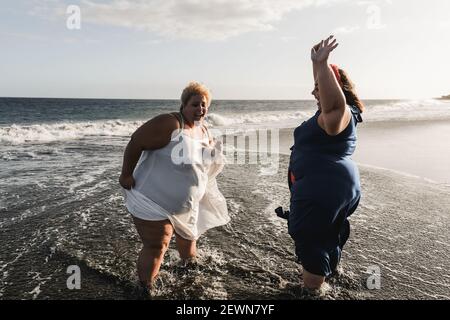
[[153, 134], [334, 117]]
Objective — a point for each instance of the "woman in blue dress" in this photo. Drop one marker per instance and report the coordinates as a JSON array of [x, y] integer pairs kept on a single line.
[[324, 181]]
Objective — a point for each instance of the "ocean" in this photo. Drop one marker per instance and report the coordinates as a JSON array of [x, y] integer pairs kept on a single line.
[[61, 205]]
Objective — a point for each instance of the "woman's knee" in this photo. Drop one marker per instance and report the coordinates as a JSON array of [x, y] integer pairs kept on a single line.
[[158, 244], [155, 235], [156, 248]]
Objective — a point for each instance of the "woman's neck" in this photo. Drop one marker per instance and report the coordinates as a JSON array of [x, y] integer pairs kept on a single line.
[[190, 125]]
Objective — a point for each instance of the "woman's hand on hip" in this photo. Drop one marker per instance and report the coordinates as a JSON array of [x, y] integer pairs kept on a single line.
[[321, 51], [126, 182]]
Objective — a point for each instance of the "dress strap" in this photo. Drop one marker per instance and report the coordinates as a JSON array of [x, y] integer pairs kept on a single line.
[[208, 134], [179, 117], [356, 113]]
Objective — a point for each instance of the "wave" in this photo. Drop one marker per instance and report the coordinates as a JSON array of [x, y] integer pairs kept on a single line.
[[394, 110], [408, 111], [14, 154], [240, 122], [258, 117], [45, 133], [42, 133]]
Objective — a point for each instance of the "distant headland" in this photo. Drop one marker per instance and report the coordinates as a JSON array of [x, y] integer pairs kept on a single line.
[[447, 97]]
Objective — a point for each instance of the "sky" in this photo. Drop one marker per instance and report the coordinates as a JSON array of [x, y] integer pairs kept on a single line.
[[241, 49]]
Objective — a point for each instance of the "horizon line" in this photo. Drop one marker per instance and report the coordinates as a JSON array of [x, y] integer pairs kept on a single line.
[[178, 99]]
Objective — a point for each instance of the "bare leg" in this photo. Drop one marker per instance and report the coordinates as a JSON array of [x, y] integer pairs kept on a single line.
[[312, 281], [155, 236], [186, 248]]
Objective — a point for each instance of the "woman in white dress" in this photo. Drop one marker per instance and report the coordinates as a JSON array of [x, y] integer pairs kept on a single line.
[[169, 179]]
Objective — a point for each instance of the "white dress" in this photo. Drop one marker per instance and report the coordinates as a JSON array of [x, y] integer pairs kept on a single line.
[[178, 182]]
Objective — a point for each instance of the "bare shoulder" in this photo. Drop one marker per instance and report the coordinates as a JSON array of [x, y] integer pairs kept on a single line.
[[165, 121], [157, 132]]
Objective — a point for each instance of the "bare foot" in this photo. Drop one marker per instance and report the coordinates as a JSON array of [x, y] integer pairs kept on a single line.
[[189, 262]]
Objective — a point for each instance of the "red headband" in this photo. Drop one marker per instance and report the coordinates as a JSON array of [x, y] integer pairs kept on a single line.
[[335, 69]]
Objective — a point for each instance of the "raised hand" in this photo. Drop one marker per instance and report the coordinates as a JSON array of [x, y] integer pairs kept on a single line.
[[321, 51]]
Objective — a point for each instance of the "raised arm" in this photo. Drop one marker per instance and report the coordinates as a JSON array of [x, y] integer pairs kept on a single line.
[[334, 116], [153, 134]]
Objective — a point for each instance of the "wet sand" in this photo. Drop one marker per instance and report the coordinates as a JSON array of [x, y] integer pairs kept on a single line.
[[401, 227], [403, 219]]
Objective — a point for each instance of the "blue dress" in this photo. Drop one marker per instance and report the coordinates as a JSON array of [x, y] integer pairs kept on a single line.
[[325, 190]]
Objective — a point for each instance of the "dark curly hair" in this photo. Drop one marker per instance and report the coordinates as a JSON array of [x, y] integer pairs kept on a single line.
[[349, 91]]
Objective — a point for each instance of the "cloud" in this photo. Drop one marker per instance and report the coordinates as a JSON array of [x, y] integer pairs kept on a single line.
[[24, 36], [48, 9], [187, 19], [289, 38], [373, 2], [345, 29]]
